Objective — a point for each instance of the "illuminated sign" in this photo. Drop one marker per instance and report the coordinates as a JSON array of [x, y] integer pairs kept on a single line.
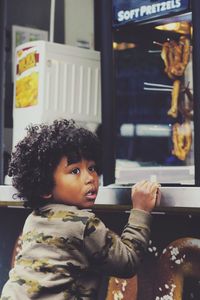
[[126, 11]]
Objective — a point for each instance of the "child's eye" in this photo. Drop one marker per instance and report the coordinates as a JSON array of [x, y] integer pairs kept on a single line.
[[75, 171], [93, 168]]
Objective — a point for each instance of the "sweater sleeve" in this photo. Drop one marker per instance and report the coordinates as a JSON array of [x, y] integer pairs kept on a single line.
[[117, 255]]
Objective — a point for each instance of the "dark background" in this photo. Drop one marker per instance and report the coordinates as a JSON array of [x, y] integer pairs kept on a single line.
[[33, 14]]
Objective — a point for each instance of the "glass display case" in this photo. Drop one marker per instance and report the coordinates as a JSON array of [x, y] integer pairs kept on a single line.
[[153, 69]]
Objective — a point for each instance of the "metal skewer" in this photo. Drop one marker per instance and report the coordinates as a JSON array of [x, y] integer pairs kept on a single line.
[[158, 85]]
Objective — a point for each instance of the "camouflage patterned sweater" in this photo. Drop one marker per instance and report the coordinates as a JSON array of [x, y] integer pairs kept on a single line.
[[66, 251]]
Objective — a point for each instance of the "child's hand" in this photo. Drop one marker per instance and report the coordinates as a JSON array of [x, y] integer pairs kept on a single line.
[[145, 195]]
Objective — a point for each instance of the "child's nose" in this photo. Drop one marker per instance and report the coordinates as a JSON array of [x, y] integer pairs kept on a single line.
[[88, 177]]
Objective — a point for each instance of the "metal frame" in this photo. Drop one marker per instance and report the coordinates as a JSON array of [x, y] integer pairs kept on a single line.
[[196, 86], [178, 199], [2, 83], [108, 101], [108, 109]]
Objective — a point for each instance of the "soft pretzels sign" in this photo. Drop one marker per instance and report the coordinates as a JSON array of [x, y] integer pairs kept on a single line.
[[141, 10]]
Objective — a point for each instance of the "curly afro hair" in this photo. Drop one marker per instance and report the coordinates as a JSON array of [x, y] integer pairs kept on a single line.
[[37, 155]]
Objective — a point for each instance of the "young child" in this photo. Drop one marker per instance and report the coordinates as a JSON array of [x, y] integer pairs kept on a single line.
[[66, 249]]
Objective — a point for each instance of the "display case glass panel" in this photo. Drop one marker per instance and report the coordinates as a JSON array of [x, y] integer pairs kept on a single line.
[[154, 100]]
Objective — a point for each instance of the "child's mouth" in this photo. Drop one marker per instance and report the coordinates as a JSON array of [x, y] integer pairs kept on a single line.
[[91, 195]]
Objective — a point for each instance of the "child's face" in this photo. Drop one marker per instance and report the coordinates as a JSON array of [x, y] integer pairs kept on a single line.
[[76, 184]]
